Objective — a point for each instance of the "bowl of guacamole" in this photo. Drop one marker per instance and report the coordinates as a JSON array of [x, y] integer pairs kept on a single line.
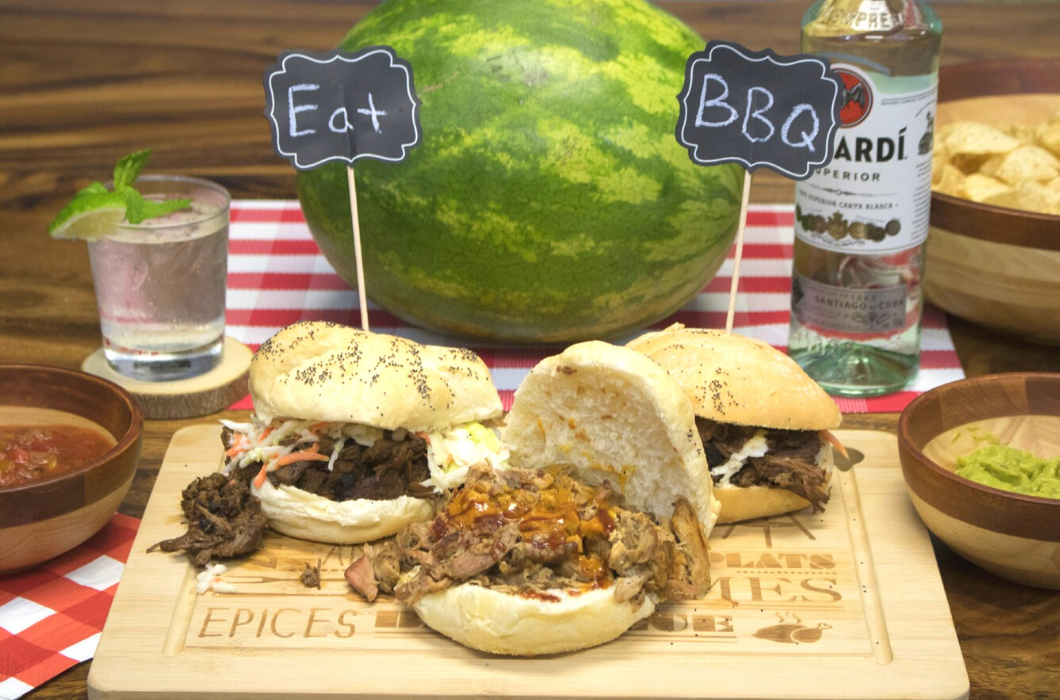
[[1009, 469], [981, 462]]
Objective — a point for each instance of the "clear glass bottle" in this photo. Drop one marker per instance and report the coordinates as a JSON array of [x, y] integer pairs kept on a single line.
[[861, 221]]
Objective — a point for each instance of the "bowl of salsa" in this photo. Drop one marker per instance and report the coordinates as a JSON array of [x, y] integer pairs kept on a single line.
[[981, 461], [69, 445]]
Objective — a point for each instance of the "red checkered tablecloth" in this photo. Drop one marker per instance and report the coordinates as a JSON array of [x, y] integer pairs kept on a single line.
[[51, 616], [277, 276]]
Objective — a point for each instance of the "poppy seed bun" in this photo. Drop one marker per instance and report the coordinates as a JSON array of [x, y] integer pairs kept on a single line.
[[327, 372], [610, 414], [614, 415], [739, 503], [735, 379], [297, 513]]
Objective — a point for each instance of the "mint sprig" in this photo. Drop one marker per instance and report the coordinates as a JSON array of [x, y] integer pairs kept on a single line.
[[137, 209], [128, 169]]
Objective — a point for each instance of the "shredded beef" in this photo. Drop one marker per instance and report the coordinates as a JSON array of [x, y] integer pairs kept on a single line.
[[386, 470], [721, 440], [531, 532], [224, 520], [311, 576], [790, 463], [795, 475]]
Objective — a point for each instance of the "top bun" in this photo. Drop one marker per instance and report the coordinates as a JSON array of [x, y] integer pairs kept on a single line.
[[327, 372], [735, 379], [613, 414]]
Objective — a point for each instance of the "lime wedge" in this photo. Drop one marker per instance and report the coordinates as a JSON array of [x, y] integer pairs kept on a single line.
[[89, 216]]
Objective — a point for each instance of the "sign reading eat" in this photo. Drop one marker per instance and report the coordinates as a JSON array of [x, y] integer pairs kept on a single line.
[[342, 107]]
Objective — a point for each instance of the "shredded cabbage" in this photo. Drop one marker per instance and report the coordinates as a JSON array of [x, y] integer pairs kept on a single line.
[[452, 452], [755, 447]]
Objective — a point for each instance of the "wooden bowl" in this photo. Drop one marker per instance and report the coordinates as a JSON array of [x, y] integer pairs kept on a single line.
[[1013, 536], [994, 266], [43, 519]]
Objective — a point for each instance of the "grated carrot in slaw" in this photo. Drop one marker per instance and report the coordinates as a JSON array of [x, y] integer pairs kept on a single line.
[[305, 455], [834, 441], [311, 454]]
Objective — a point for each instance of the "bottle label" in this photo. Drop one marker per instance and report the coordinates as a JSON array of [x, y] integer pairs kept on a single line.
[[878, 310], [875, 195]]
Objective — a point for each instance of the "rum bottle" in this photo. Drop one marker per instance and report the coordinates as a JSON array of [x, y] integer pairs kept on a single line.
[[861, 221]]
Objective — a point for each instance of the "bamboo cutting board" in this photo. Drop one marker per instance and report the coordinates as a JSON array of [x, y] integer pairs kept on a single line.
[[845, 604]]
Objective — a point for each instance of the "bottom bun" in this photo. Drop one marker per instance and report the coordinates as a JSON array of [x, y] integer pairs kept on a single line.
[[739, 503], [501, 623], [297, 513]]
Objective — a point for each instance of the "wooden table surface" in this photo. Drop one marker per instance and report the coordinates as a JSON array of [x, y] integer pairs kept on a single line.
[[83, 83]]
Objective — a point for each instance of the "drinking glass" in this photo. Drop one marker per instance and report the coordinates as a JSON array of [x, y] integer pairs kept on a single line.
[[160, 285]]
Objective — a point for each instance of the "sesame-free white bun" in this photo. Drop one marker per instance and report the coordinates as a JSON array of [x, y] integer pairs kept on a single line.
[[739, 503], [297, 513], [608, 413], [327, 372], [500, 623], [612, 414], [730, 378]]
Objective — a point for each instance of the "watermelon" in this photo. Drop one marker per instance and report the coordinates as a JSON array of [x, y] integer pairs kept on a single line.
[[549, 199]]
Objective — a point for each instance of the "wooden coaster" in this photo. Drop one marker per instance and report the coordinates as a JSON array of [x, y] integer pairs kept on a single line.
[[184, 398]]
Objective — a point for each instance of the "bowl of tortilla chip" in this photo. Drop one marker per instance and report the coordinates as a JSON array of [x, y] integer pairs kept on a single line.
[[993, 253]]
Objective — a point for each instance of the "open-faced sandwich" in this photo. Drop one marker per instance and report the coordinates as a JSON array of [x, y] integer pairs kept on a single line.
[[605, 513]]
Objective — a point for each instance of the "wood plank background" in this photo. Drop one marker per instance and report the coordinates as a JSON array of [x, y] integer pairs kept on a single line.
[[84, 82]]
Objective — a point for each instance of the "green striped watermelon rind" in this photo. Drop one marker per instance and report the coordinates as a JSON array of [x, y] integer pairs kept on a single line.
[[549, 200]]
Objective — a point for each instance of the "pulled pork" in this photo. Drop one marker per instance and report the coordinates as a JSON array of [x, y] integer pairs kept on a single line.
[[790, 463], [224, 520], [532, 533]]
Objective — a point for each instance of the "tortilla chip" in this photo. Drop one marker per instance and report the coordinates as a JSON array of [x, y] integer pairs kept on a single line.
[[1024, 133], [1026, 163], [943, 131], [973, 138], [1048, 136], [1009, 198], [1037, 197], [1054, 184], [1028, 196], [969, 163], [937, 164], [979, 188], [938, 147], [951, 181]]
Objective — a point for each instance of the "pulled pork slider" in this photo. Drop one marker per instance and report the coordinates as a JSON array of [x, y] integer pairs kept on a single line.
[[604, 514], [355, 434], [763, 422]]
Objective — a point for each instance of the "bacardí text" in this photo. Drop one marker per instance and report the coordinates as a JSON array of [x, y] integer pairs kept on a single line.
[[861, 221]]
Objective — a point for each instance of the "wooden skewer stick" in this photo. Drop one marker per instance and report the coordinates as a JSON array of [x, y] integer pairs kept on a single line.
[[362, 299], [739, 252]]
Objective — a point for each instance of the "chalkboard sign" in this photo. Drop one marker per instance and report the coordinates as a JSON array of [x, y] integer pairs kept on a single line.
[[759, 109], [342, 107]]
